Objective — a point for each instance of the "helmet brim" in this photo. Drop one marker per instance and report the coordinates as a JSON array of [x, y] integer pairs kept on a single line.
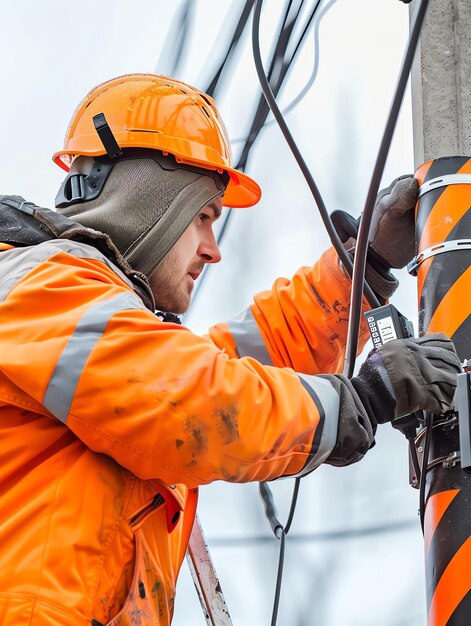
[[241, 192]]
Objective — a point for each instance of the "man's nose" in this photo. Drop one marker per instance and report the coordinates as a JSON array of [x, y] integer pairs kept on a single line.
[[209, 249]]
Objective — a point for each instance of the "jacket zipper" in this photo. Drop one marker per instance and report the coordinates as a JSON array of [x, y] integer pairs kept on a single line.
[[157, 500]]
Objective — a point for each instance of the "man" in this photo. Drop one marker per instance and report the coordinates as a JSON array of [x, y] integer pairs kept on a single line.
[[112, 416]]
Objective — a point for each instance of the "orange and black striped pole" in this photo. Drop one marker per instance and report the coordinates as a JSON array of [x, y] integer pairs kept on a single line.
[[443, 228]]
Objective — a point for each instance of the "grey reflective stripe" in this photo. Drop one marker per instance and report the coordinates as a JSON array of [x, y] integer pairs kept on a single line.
[[90, 328], [247, 337], [328, 404], [18, 262]]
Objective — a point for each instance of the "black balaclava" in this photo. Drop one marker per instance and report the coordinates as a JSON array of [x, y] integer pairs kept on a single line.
[[146, 204]]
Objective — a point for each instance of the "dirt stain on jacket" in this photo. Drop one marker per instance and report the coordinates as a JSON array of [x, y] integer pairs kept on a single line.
[[227, 425], [134, 379], [275, 449], [339, 307], [323, 304], [197, 436]]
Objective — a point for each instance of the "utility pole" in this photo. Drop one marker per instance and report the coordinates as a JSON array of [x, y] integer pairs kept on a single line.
[[441, 75], [441, 104]]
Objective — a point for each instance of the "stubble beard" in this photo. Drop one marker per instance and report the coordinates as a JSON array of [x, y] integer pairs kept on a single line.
[[171, 294]]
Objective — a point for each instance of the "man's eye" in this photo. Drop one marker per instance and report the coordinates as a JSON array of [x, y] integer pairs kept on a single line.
[[203, 217]]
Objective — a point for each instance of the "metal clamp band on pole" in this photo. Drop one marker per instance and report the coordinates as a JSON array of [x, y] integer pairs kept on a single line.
[[444, 181], [439, 248]]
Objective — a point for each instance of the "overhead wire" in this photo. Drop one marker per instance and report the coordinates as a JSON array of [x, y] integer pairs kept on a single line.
[[275, 81], [271, 100], [276, 77], [236, 37], [312, 78], [176, 41]]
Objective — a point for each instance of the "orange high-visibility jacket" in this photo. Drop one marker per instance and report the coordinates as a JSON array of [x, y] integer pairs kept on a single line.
[[110, 419]]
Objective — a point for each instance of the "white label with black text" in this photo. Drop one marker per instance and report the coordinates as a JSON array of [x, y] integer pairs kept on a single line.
[[386, 329]]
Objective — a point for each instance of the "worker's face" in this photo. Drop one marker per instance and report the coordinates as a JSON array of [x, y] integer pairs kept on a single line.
[[173, 281]]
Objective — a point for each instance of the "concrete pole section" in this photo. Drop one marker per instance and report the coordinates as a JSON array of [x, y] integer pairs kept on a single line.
[[441, 82]]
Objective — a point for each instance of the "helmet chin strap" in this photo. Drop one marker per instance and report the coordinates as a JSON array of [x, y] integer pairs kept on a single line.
[[78, 187]]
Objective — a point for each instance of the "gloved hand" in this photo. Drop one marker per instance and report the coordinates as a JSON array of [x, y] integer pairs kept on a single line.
[[392, 232], [401, 377], [408, 375]]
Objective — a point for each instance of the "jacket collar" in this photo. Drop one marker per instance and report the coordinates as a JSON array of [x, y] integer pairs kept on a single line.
[[23, 223]]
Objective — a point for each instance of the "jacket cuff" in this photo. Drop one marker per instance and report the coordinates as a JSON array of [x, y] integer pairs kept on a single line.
[[373, 386]]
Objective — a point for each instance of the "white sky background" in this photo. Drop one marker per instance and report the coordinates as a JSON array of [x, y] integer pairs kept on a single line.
[[53, 52]]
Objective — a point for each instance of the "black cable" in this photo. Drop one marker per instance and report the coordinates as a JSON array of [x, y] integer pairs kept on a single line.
[[281, 558], [285, 40], [312, 78], [177, 39], [365, 223], [344, 257], [280, 533], [276, 80], [302, 93], [294, 499], [279, 579], [277, 73], [270, 509], [236, 37], [305, 31], [423, 475], [263, 111]]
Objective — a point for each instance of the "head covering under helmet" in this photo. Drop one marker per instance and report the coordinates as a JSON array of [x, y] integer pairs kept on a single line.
[[146, 203]]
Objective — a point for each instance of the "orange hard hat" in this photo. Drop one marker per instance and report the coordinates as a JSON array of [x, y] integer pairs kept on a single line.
[[160, 113]]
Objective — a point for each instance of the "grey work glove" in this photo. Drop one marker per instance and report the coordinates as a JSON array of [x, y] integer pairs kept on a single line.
[[392, 232], [401, 377], [408, 375]]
